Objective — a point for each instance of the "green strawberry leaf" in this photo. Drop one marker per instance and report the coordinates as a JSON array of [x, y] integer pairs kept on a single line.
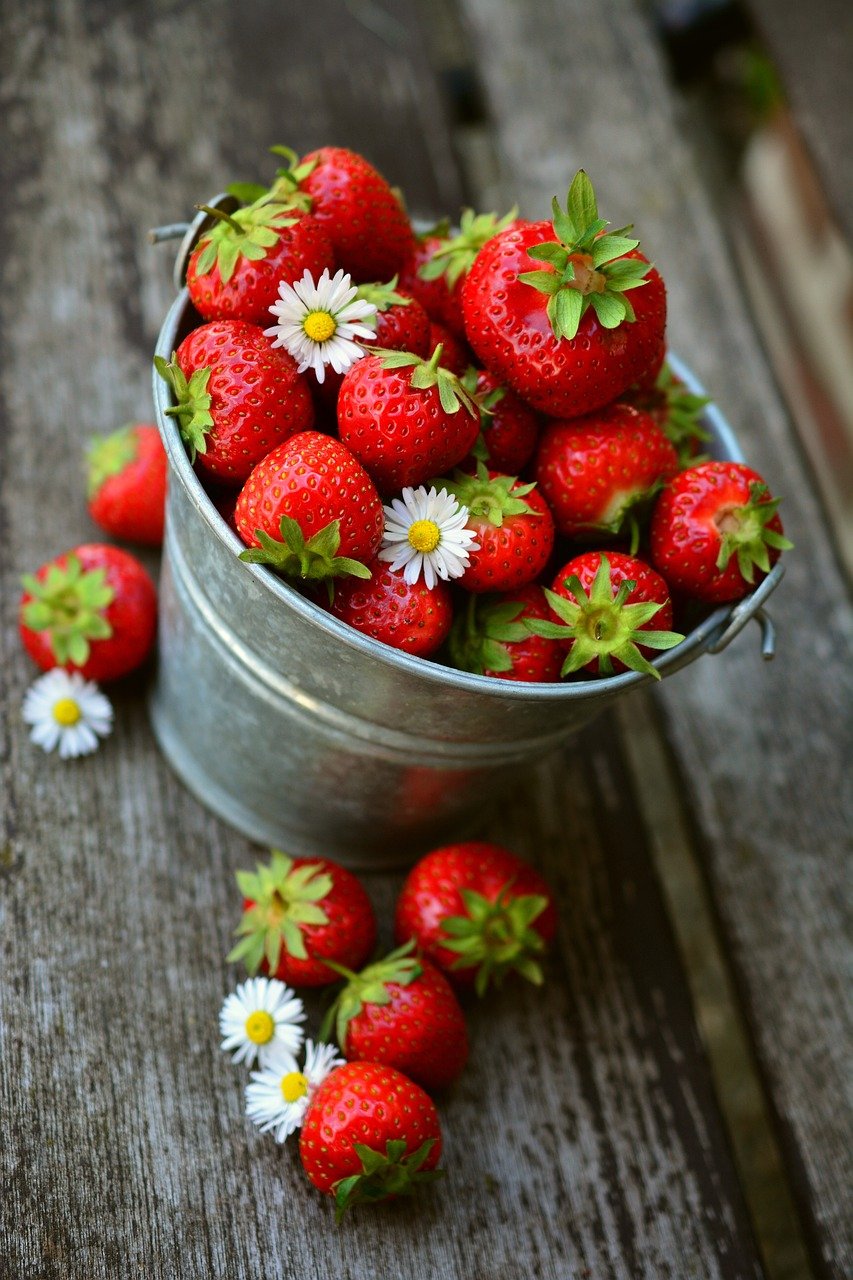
[[69, 604]]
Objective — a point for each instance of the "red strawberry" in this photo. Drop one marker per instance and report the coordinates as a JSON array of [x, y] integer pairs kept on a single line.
[[613, 609], [370, 1133], [407, 616], [300, 912], [491, 638], [127, 484], [565, 336], [401, 1011], [404, 418], [509, 428], [677, 411], [310, 510], [512, 524], [92, 610], [441, 262], [455, 355], [433, 294], [235, 269], [594, 471], [712, 527], [478, 912], [237, 397]]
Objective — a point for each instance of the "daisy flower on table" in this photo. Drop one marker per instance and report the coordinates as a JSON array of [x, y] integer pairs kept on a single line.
[[425, 534], [260, 1019], [278, 1096], [317, 322], [67, 712]]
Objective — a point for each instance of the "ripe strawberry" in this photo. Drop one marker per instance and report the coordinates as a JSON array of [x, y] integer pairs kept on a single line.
[[445, 260], [316, 497], [455, 354], [299, 912], [606, 604], [677, 411], [512, 524], [404, 418], [712, 527], [127, 484], [565, 336], [509, 428], [478, 912], [407, 616], [237, 397], [92, 610], [401, 1011], [434, 294], [401, 322], [491, 638], [596, 470]]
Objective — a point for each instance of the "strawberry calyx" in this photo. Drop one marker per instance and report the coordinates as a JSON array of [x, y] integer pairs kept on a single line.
[[430, 373], [192, 409], [370, 986], [679, 413], [248, 232], [487, 404], [744, 533], [108, 456], [286, 189], [384, 1174], [584, 266], [282, 899], [496, 936], [69, 603], [480, 635], [603, 626], [314, 559], [489, 498], [454, 258], [383, 297]]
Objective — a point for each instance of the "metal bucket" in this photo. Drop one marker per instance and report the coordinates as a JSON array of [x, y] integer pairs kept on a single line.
[[307, 735]]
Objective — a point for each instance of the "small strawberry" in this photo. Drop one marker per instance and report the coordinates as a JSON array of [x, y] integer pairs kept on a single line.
[[608, 606], [434, 294], [677, 411], [370, 1133], [401, 1011], [92, 610], [299, 912], [455, 353], [713, 526], [509, 428], [127, 484], [449, 259], [408, 616], [478, 912], [512, 524], [404, 418], [597, 470], [491, 639]]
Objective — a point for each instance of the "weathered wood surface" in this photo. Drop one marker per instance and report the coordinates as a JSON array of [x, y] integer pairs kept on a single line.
[[765, 753]]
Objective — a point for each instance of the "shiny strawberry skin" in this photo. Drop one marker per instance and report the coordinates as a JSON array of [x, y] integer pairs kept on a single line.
[[403, 328], [130, 504], [253, 287], [513, 553], [591, 468], [535, 660], [507, 325], [511, 430], [314, 479], [410, 617], [441, 304], [456, 355], [369, 1104]]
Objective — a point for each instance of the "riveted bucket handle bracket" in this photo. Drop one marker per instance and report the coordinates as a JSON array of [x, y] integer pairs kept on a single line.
[[746, 610]]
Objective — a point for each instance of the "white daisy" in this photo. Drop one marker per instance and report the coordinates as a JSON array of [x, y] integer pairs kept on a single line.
[[278, 1096], [425, 533], [67, 711], [260, 1019], [315, 322]]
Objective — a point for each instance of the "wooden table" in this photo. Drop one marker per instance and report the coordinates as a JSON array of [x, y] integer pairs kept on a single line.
[[695, 839]]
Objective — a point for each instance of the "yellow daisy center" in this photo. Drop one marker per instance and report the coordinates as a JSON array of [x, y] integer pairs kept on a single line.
[[260, 1027], [66, 712], [319, 325], [424, 535], [294, 1086]]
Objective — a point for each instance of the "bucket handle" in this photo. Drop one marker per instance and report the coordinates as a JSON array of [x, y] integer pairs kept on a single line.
[[746, 610]]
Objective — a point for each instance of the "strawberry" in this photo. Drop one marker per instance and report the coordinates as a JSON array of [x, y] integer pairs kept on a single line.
[[713, 526], [235, 269], [509, 428], [401, 323], [447, 259], [565, 336], [298, 913], [407, 616], [512, 524], [92, 610], [127, 484], [596, 470], [455, 354], [434, 294], [478, 912], [370, 1133], [311, 511], [677, 411], [401, 1011], [237, 397], [404, 418], [608, 605], [491, 639]]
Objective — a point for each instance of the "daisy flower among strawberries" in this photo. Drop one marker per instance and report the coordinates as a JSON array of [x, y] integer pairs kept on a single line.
[[316, 323], [278, 1096], [67, 712], [260, 1019], [425, 534]]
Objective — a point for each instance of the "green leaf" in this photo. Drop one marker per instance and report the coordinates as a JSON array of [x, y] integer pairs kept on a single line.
[[609, 308], [581, 203], [568, 309], [543, 281]]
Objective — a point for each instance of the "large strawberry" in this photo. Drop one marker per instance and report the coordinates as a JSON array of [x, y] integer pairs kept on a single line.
[[92, 610], [716, 531], [445, 259], [565, 335], [401, 1011], [370, 1133], [490, 638], [404, 418], [300, 912], [509, 428], [408, 616], [478, 912], [127, 483]]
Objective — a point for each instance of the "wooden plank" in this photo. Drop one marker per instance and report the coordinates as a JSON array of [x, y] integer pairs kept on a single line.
[[765, 752]]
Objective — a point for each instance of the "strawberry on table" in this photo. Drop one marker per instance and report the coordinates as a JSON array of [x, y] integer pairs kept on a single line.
[[509, 428], [408, 616], [490, 638], [127, 483]]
